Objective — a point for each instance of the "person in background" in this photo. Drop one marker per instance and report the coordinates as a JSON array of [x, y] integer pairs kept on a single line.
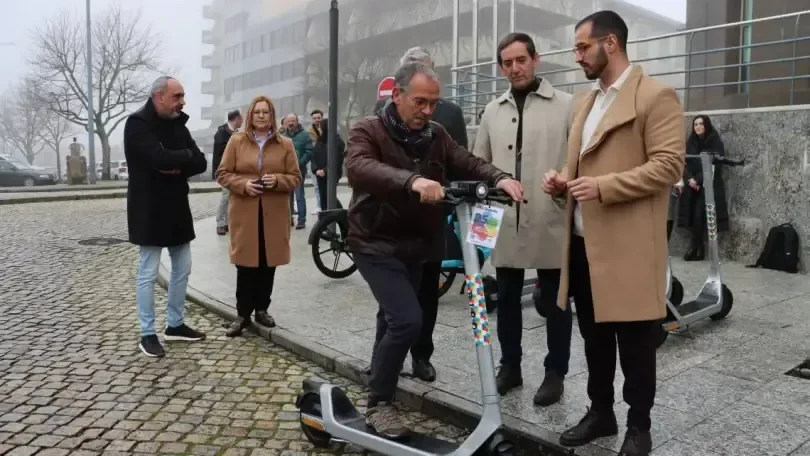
[[314, 131], [260, 168], [320, 160], [302, 141], [448, 115], [692, 213], [161, 156], [625, 151], [526, 130], [221, 138]]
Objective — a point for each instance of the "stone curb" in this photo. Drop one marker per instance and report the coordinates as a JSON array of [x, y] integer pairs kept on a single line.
[[419, 396], [39, 197]]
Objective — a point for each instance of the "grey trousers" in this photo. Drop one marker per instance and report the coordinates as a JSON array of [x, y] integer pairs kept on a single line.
[[222, 208]]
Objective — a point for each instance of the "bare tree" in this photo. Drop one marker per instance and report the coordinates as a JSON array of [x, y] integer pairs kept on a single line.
[[125, 61], [55, 130], [21, 119]]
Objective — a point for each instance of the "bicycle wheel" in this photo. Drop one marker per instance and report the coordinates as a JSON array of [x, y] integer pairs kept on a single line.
[[329, 236]]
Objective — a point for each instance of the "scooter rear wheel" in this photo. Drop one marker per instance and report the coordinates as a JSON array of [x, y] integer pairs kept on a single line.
[[311, 405], [728, 302]]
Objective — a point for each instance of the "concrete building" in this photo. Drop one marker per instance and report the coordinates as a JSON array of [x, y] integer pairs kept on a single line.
[[766, 63], [283, 53]]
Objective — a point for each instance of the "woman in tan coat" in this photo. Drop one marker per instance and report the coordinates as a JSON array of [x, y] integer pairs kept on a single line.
[[260, 168]]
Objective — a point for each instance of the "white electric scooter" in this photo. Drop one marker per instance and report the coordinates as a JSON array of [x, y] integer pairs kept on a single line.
[[327, 414]]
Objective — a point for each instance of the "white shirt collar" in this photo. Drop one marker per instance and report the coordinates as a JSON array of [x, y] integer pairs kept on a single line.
[[616, 84]]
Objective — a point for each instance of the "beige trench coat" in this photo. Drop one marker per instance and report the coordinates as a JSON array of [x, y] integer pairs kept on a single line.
[[535, 244], [636, 153], [240, 164]]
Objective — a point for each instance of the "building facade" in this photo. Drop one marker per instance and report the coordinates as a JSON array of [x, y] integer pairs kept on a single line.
[[766, 63], [283, 53]]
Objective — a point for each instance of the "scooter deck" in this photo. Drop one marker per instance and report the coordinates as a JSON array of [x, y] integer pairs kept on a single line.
[[414, 440], [690, 307]]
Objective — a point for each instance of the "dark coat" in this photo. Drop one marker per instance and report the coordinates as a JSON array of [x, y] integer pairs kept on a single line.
[[448, 115], [158, 211], [692, 203], [385, 216], [320, 155], [221, 138]]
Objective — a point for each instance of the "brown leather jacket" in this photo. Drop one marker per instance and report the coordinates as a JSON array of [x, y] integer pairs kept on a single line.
[[385, 215]]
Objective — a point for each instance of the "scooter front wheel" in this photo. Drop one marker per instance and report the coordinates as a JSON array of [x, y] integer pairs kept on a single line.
[[311, 405], [728, 302]]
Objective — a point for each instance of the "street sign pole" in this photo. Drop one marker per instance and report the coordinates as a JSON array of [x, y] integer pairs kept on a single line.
[[333, 160], [91, 135]]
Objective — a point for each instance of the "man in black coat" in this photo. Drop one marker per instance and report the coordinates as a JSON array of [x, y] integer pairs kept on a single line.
[[161, 156], [221, 138], [450, 116]]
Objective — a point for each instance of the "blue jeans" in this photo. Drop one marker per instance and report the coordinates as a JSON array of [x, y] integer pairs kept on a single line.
[[178, 282], [300, 200]]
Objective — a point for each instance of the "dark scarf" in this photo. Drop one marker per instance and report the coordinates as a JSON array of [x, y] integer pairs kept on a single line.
[[417, 141]]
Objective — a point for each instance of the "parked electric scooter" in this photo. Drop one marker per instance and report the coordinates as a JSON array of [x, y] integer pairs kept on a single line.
[[327, 414], [715, 299]]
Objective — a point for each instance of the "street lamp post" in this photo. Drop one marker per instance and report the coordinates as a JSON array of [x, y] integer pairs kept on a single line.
[[333, 159], [91, 136]]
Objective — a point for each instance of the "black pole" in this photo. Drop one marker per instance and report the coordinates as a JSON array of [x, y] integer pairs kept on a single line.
[[333, 159]]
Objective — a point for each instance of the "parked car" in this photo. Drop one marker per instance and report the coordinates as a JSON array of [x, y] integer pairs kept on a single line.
[[13, 174], [118, 171]]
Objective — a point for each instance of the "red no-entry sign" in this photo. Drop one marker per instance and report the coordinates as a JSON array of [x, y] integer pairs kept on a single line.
[[386, 88]]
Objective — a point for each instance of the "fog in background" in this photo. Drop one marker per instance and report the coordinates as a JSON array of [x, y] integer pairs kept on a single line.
[[179, 25]]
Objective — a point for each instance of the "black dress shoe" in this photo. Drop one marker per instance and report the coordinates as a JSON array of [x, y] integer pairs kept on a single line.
[[237, 327], [550, 391], [264, 319], [593, 426], [423, 370], [509, 377], [636, 443]]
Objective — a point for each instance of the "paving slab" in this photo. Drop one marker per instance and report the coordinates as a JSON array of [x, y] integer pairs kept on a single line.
[[722, 387]]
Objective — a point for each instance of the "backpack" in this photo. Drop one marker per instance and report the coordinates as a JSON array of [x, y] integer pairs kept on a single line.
[[781, 252]]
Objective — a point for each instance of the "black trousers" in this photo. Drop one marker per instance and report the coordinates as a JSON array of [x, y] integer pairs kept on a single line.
[[394, 285], [510, 318], [429, 302], [322, 192], [636, 349], [697, 212], [255, 285]]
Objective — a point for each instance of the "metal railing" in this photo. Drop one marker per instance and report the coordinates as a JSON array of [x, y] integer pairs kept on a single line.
[[475, 84]]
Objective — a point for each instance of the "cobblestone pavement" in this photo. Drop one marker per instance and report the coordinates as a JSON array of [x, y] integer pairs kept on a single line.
[[72, 380]]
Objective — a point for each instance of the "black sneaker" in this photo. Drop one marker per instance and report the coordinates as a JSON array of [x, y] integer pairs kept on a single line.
[[150, 346], [183, 332]]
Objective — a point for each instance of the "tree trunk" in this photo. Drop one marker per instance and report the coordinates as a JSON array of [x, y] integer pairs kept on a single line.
[[105, 155], [29, 155], [58, 162]]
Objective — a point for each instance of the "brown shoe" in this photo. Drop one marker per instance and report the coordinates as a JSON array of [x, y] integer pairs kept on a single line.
[[264, 319], [222, 230]]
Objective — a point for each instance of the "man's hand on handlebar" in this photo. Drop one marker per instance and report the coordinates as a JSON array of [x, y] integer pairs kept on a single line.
[[429, 191], [554, 184], [512, 188]]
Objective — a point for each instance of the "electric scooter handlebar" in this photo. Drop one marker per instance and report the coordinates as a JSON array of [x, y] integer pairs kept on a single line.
[[473, 192], [720, 160]]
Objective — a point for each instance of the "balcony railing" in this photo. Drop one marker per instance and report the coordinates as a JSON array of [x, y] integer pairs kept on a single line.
[[206, 113], [726, 73], [209, 12], [207, 88], [210, 61], [209, 37]]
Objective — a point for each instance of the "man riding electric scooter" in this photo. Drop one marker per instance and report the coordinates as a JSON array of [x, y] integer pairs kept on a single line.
[[396, 163]]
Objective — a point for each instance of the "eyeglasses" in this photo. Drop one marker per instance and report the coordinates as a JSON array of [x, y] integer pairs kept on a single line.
[[582, 48], [421, 103]]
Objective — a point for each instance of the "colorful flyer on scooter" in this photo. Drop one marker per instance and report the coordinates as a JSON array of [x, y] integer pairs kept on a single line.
[[485, 226]]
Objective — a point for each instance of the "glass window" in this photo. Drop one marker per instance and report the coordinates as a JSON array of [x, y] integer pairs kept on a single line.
[[745, 53], [275, 39], [298, 104], [275, 73], [263, 45], [287, 71]]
